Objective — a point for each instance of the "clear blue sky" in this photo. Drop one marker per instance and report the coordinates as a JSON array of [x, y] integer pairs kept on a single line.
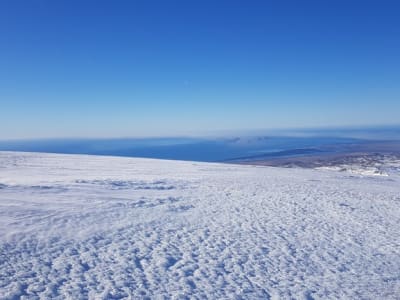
[[138, 68]]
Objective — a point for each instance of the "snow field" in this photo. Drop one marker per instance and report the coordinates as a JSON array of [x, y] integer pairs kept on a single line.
[[79, 227]]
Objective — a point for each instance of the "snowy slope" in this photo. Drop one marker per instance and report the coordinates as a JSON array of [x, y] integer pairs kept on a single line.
[[83, 227]]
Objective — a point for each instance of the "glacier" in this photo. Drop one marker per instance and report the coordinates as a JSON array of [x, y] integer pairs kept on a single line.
[[97, 227]]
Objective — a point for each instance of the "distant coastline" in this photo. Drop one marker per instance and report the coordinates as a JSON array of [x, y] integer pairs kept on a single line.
[[271, 148]]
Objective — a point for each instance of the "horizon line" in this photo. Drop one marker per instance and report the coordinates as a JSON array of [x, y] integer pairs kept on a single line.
[[216, 133]]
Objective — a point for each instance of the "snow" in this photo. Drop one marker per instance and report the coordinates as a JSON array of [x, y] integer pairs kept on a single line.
[[370, 171], [366, 165], [79, 227]]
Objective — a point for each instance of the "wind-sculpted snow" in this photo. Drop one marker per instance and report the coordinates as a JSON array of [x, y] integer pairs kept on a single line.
[[79, 227]]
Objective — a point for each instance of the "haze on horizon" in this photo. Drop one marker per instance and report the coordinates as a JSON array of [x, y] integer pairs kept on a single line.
[[168, 68]]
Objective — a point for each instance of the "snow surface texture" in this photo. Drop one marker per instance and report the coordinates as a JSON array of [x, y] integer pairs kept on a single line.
[[79, 227], [372, 165]]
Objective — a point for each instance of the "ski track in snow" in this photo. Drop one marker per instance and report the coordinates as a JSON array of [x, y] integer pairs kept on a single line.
[[87, 227]]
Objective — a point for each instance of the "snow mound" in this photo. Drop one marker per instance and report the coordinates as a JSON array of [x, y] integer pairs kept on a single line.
[[87, 227]]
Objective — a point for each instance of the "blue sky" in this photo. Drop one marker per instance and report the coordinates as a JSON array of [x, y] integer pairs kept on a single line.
[[156, 68]]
